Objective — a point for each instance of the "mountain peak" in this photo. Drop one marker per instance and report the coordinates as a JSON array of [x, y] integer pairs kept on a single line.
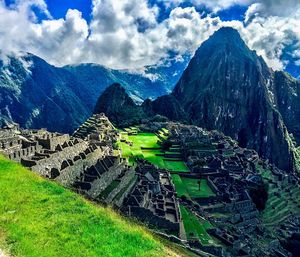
[[116, 87], [226, 39], [118, 106], [226, 48], [227, 32]]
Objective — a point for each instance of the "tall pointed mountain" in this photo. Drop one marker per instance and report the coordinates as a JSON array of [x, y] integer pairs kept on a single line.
[[228, 87]]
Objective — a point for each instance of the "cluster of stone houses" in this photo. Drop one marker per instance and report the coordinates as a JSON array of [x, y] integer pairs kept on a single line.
[[153, 199], [232, 173]]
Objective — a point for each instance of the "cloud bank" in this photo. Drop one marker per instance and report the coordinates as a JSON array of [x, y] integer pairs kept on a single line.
[[127, 34]]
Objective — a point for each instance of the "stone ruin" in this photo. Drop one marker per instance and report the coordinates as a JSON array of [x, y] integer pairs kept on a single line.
[[233, 173], [153, 199], [88, 163], [98, 128], [85, 162]]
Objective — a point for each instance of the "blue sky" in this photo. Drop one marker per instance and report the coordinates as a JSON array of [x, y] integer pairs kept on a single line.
[[59, 8], [139, 33]]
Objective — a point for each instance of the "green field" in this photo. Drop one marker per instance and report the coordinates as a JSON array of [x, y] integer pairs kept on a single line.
[[190, 187], [195, 228], [180, 187], [178, 166], [278, 208], [193, 188], [146, 146], [41, 218]]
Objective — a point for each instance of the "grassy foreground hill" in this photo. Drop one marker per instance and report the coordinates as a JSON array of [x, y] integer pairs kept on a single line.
[[41, 218]]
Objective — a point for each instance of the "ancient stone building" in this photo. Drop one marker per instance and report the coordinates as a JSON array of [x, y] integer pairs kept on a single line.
[[153, 199]]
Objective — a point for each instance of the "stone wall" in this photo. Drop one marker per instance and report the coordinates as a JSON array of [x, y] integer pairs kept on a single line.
[[125, 180], [18, 154], [146, 216], [101, 183], [55, 160], [212, 185], [69, 174], [10, 141], [50, 141]]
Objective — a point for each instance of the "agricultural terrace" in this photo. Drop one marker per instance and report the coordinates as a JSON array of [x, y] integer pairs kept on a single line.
[[134, 144], [279, 208], [195, 228]]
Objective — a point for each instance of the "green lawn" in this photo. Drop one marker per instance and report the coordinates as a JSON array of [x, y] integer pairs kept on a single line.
[[192, 187], [195, 228], [178, 166], [180, 187], [41, 218], [151, 156], [148, 140]]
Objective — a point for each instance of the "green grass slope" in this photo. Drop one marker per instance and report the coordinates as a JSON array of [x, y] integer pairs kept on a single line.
[[41, 218]]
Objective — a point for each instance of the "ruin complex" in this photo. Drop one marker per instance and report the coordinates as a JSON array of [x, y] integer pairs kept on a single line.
[[244, 191]]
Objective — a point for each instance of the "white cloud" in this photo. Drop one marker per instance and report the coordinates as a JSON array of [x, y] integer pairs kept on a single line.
[[58, 41], [61, 41], [269, 7], [280, 7], [214, 5], [126, 34], [271, 35]]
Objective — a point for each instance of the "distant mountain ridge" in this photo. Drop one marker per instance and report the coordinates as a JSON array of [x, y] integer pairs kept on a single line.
[[229, 88], [36, 94]]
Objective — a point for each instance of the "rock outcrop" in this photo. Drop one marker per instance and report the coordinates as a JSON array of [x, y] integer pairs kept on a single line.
[[287, 92]]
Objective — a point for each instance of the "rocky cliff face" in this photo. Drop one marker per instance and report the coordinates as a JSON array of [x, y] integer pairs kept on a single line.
[[119, 107], [167, 106], [227, 87], [287, 93]]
